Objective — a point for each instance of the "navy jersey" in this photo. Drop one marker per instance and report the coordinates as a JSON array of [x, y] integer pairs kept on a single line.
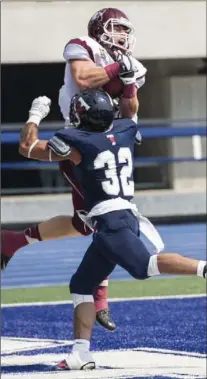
[[107, 161]]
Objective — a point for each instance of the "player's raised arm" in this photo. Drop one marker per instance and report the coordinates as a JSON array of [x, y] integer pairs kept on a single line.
[[133, 78], [88, 75], [84, 70], [32, 147], [129, 104]]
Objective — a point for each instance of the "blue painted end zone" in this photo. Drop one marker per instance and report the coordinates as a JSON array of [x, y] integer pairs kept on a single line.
[[175, 324], [167, 335]]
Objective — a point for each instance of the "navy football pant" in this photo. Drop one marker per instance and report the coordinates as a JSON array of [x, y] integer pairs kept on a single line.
[[70, 174], [116, 242]]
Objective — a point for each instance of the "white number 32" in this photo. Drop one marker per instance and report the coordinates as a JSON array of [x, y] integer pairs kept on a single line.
[[112, 185]]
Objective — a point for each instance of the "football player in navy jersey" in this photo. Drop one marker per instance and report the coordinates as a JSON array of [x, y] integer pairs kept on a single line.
[[101, 59], [102, 149]]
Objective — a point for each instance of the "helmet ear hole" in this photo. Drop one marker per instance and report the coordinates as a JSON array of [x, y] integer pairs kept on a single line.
[[105, 38]]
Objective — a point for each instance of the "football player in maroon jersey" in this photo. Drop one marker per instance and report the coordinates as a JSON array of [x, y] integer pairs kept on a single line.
[[103, 59]]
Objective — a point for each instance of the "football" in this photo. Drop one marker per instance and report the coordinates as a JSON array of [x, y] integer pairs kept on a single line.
[[114, 87]]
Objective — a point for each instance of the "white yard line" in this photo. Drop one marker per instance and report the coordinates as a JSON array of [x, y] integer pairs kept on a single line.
[[34, 339], [125, 363], [166, 351], [112, 300]]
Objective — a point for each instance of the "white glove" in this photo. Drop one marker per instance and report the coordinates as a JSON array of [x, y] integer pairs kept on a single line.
[[128, 69], [39, 109]]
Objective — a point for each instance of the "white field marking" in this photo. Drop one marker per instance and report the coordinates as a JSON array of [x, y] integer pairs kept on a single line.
[[12, 345], [121, 364], [14, 340], [101, 374], [166, 351], [36, 339], [112, 300]]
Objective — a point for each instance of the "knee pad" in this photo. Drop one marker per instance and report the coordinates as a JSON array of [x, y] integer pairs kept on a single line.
[[80, 226], [79, 299], [153, 266]]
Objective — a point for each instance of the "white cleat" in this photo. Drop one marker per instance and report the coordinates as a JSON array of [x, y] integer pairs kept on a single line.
[[77, 360]]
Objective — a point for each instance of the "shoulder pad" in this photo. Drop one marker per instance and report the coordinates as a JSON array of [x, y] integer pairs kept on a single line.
[[124, 122], [77, 48], [69, 133], [140, 82], [140, 70], [59, 147]]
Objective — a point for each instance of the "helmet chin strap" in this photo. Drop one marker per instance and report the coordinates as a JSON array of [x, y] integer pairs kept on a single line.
[[109, 48]]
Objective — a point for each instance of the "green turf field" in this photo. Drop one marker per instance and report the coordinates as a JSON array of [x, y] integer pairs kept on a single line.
[[152, 287]]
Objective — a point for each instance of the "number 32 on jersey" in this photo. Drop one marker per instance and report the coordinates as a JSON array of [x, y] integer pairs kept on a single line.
[[112, 186]]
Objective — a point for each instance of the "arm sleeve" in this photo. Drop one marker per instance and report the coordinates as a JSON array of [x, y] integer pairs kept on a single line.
[[59, 146]]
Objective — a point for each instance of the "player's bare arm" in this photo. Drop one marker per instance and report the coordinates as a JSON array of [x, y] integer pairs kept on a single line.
[[129, 107], [31, 147], [87, 75], [129, 104], [41, 150]]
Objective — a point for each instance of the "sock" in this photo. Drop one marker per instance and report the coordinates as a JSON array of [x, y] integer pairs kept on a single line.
[[81, 345], [32, 234], [100, 298], [12, 241], [200, 268]]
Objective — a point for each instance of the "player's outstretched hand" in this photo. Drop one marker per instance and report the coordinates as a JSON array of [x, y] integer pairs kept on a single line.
[[40, 107], [127, 72]]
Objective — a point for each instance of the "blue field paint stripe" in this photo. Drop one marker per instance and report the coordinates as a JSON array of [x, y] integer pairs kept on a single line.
[[138, 321], [54, 262]]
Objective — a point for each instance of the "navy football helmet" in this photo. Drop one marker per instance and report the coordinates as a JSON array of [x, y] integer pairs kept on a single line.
[[92, 110]]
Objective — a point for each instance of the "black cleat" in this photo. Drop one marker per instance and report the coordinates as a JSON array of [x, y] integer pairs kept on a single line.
[[103, 317], [4, 261], [205, 272]]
